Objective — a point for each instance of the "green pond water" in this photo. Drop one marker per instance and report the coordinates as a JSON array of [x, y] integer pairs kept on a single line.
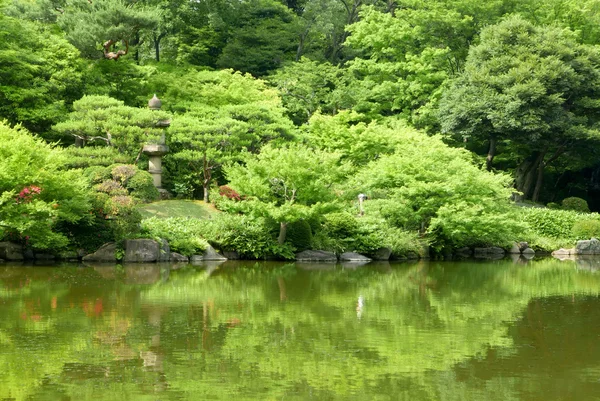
[[495, 330]]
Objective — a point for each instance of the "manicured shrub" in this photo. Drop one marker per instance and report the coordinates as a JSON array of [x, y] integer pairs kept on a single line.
[[299, 235], [97, 174], [112, 188], [141, 186], [550, 223], [252, 237], [185, 236], [553, 205], [123, 172], [576, 204], [586, 229]]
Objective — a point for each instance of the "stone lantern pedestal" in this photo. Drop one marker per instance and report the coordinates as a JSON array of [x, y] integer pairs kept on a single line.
[[155, 153]]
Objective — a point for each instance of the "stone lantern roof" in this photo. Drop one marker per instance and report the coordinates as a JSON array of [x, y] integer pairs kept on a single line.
[[154, 103]]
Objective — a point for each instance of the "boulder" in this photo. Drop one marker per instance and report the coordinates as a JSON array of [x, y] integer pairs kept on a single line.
[[464, 252], [177, 257], [382, 254], [588, 247], [231, 255], [44, 256], [515, 249], [209, 254], [316, 256], [11, 251], [141, 251], [528, 251], [490, 251], [353, 257], [523, 245], [28, 254], [106, 253], [563, 252], [164, 255]]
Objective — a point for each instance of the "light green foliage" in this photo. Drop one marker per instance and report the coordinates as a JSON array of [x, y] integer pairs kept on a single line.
[[586, 229], [185, 235], [288, 183], [576, 204], [347, 134], [342, 232], [219, 116], [252, 237], [431, 187], [404, 59], [307, 87], [556, 224], [141, 186], [101, 156], [41, 74], [108, 121], [27, 163]]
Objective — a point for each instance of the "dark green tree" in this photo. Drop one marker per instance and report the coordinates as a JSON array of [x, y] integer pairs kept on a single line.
[[534, 88]]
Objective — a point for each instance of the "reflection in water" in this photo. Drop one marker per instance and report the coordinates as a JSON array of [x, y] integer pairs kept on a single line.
[[479, 330]]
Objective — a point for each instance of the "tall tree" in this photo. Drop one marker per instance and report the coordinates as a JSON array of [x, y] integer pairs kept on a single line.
[[288, 183], [534, 87], [40, 74]]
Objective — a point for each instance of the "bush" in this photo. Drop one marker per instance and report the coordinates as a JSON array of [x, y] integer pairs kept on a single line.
[[586, 229], [93, 156], [123, 172], [185, 236], [229, 193], [111, 187], [576, 204], [299, 234], [141, 186], [553, 205], [97, 174], [251, 237], [550, 223]]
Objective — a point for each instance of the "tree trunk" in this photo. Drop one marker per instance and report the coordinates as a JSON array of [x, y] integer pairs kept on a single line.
[[538, 183], [206, 180], [526, 173], [491, 153], [282, 233], [157, 48]]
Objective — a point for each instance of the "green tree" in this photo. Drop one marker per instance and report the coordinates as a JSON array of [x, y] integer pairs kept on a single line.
[[96, 28], [218, 115], [532, 87], [40, 74], [262, 37], [101, 118], [36, 194], [308, 86], [428, 186], [288, 183]]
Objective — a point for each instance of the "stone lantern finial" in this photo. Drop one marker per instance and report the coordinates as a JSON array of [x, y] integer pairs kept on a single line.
[[154, 103]]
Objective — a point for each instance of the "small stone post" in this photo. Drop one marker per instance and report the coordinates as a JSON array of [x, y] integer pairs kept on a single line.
[[361, 199], [156, 151]]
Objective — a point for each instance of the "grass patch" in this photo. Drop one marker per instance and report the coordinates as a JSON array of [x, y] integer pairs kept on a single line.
[[177, 208]]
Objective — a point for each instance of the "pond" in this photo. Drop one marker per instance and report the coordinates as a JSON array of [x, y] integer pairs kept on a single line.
[[473, 330]]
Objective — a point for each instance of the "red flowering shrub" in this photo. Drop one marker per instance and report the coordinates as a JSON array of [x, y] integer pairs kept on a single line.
[[229, 192], [27, 194]]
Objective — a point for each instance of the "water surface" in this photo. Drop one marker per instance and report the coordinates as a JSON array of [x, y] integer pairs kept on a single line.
[[500, 330]]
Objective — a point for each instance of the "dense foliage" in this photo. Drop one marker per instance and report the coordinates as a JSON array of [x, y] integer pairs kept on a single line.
[[296, 107]]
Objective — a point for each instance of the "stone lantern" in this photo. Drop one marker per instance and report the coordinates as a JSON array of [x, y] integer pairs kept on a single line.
[[156, 151]]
